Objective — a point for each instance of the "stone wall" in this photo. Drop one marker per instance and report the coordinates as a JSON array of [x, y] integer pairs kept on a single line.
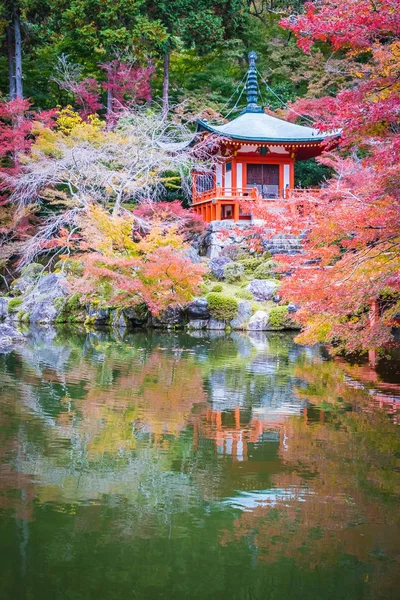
[[223, 233]]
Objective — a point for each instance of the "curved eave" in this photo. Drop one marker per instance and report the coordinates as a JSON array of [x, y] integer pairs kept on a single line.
[[205, 127]]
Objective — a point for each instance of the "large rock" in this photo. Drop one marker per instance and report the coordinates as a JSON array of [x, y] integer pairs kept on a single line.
[[172, 317], [216, 325], [40, 300], [22, 285], [220, 234], [99, 316], [4, 308], [259, 321], [9, 338], [193, 254], [198, 309], [197, 324], [136, 315], [217, 266], [130, 317], [262, 289], [243, 315]]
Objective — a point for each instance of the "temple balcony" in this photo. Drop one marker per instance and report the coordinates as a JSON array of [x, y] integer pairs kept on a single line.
[[222, 203]]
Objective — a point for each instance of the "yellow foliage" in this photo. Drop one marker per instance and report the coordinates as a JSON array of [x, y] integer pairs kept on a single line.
[[108, 233], [159, 237], [68, 119]]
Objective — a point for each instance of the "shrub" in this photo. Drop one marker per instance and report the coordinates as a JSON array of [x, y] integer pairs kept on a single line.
[[234, 272], [279, 317], [222, 308], [217, 288], [204, 289], [244, 295], [208, 276], [231, 251], [250, 264], [265, 270], [13, 304]]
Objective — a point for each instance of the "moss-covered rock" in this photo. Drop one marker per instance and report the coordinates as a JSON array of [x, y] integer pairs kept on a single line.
[[222, 308], [70, 310], [14, 304], [70, 266], [33, 270], [234, 272]]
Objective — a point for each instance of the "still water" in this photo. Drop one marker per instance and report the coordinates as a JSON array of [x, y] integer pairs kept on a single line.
[[169, 466]]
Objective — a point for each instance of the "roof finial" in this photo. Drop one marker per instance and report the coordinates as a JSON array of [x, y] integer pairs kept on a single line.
[[252, 85]]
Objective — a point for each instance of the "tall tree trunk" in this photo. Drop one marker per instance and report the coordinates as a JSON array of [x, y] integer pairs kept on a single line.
[[165, 95], [109, 103], [11, 69], [18, 54]]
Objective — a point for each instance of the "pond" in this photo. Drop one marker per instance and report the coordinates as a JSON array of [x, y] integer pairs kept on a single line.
[[176, 466]]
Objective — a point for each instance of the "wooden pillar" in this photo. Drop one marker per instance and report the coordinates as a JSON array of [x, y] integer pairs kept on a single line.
[[234, 178], [236, 211], [218, 211], [281, 182], [292, 175]]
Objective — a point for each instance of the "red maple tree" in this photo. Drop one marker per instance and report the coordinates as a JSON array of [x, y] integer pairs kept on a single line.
[[347, 280]]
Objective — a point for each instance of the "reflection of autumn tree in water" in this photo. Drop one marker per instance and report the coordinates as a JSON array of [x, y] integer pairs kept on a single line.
[[340, 495], [155, 397], [106, 419], [17, 490]]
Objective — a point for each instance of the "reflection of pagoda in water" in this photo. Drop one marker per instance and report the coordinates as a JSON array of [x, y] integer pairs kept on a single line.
[[248, 407], [241, 434]]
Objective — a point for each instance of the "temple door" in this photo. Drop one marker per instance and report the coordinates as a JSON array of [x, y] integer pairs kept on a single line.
[[265, 178]]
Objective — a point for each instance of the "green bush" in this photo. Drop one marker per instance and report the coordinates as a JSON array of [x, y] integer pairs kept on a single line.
[[244, 295], [207, 277], [234, 272], [222, 308], [279, 317], [250, 264], [217, 288], [13, 304], [204, 289], [265, 270]]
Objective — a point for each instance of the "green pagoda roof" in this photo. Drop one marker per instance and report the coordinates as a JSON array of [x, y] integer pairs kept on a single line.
[[260, 127], [254, 125]]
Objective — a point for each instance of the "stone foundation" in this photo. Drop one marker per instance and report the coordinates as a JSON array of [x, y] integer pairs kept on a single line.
[[220, 234]]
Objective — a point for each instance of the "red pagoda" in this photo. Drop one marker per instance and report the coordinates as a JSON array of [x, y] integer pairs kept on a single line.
[[256, 158]]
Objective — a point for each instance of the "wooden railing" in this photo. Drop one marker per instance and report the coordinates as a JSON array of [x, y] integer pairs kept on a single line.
[[220, 193], [248, 193]]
